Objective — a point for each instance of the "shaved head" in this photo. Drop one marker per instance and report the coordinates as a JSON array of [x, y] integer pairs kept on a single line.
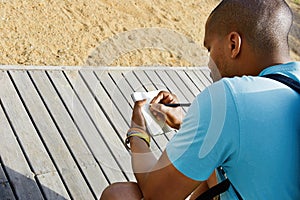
[[264, 24]]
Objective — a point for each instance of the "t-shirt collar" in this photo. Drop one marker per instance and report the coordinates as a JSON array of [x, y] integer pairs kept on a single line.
[[282, 68]]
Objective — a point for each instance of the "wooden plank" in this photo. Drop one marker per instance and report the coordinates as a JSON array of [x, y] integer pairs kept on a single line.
[[52, 186], [25, 130], [206, 72], [105, 102], [173, 76], [64, 160], [199, 84], [158, 84], [122, 84], [29, 138], [73, 137], [171, 85], [94, 124], [202, 77], [133, 81], [142, 80], [20, 174], [189, 83], [5, 188], [117, 98]]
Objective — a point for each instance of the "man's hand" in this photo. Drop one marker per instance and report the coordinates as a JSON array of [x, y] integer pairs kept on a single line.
[[172, 116], [138, 120]]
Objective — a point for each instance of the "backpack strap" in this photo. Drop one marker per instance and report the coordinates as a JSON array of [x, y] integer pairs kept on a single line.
[[219, 189], [285, 80], [215, 191]]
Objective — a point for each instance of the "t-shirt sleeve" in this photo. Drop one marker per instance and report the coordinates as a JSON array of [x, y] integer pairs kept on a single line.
[[208, 137]]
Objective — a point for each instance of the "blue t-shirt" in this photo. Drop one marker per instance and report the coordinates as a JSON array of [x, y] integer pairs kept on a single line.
[[251, 127]]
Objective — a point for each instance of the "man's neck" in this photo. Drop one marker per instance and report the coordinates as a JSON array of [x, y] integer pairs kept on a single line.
[[258, 63]]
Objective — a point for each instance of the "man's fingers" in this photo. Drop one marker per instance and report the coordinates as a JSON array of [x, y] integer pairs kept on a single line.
[[172, 116], [164, 97], [157, 107], [159, 111], [140, 103], [160, 116]]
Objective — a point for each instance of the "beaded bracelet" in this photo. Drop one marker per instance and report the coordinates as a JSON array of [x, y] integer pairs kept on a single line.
[[136, 132]]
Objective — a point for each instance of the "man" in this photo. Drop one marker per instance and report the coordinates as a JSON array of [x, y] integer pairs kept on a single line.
[[247, 124]]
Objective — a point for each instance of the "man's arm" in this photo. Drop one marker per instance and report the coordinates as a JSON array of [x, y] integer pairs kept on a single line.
[[157, 179], [144, 163]]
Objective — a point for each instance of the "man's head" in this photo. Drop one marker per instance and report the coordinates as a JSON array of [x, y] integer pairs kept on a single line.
[[245, 36]]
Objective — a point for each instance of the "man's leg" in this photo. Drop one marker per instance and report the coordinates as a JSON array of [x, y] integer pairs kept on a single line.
[[124, 191]]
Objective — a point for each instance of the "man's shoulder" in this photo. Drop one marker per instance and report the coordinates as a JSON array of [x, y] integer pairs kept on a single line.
[[231, 88], [290, 69], [240, 85], [254, 84], [245, 84]]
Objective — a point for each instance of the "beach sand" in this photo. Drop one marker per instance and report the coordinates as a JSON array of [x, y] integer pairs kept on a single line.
[[104, 32]]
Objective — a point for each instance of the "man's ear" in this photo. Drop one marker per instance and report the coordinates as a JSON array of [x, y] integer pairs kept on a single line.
[[235, 42]]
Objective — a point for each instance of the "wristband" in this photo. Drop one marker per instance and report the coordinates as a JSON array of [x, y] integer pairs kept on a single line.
[[136, 132]]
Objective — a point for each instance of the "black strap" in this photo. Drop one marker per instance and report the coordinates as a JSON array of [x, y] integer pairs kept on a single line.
[[214, 191], [219, 188], [285, 80]]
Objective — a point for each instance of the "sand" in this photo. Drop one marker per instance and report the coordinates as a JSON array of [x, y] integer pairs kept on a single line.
[[104, 32]]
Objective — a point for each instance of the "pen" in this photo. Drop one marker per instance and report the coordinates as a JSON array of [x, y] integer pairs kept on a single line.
[[174, 105]]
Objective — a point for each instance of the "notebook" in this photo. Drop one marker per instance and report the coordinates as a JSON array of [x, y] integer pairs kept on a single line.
[[154, 126]]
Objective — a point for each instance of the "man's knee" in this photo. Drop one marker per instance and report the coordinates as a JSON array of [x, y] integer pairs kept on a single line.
[[108, 193], [121, 191]]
